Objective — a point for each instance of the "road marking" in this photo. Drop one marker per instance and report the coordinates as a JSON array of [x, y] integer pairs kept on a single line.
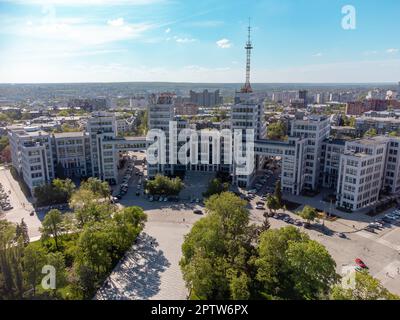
[[379, 240]]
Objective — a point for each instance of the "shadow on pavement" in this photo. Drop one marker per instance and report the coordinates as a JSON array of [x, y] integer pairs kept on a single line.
[[138, 275]]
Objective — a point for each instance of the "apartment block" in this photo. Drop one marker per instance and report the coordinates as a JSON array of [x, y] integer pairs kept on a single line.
[[361, 173]]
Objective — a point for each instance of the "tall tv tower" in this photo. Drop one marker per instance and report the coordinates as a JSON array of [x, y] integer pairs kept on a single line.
[[247, 87]]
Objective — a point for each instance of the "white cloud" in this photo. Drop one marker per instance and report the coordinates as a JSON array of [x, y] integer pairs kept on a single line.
[[84, 2], [392, 50], [116, 22], [185, 40], [168, 30], [224, 43], [317, 55], [77, 31]]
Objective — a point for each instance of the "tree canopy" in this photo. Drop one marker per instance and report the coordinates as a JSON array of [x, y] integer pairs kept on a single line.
[[366, 288], [225, 257], [292, 266], [162, 185], [371, 133], [276, 131], [216, 251], [216, 186], [57, 192], [82, 246], [309, 213]]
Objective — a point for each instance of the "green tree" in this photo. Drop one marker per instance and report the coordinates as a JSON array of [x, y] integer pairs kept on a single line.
[[366, 288], [93, 256], [57, 260], [239, 287], [276, 131], [63, 113], [34, 260], [312, 269], [272, 203], [126, 226], [11, 252], [88, 207], [97, 187], [309, 213], [278, 193], [52, 226], [4, 117], [215, 186], [217, 250], [291, 266], [163, 185], [22, 231], [57, 192], [371, 133], [352, 122], [3, 142]]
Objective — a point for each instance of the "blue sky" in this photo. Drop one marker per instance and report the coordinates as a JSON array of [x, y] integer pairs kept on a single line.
[[197, 41]]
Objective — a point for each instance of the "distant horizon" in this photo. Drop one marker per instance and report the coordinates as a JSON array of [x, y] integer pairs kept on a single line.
[[205, 83]]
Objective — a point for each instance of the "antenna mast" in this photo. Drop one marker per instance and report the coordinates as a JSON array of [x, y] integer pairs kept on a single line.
[[247, 87]]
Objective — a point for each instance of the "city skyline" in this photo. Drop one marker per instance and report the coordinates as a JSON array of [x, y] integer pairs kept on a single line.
[[163, 41]]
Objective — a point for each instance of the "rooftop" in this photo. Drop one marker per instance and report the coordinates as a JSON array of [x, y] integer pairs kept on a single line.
[[69, 134]]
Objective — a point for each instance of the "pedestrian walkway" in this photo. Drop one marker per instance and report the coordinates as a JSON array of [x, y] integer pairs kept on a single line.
[[150, 270]]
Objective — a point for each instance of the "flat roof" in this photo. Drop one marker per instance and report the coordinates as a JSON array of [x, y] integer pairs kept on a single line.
[[69, 134]]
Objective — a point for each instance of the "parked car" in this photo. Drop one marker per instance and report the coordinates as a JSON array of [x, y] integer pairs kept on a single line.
[[260, 207], [387, 220], [197, 211], [298, 223], [369, 229], [361, 263], [114, 200], [390, 216], [374, 225]]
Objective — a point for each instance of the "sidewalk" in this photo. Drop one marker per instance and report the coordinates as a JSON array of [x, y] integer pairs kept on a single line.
[[358, 219]]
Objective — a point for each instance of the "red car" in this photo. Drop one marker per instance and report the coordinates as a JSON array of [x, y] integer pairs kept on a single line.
[[361, 264]]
